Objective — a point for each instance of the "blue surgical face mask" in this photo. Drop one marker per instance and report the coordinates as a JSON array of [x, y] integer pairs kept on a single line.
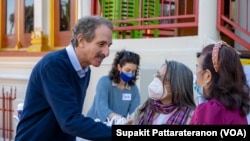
[[197, 88], [199, 91], [126, 77]]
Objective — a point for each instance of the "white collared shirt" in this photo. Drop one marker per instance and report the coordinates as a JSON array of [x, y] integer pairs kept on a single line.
[[75, 62]]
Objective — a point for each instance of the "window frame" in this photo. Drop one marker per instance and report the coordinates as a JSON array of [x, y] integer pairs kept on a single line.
[[26, 37], [62, 38], [8, 41]]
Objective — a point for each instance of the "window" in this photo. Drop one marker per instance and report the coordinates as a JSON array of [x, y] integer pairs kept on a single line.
[[16, 29], [64, 21], [9, 36], [27, 23]]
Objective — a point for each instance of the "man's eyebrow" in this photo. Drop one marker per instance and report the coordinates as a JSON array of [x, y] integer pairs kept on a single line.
[[104, 42], [101, 42]]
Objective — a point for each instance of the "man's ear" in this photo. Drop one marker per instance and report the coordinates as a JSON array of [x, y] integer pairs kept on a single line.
[[80, 39], [207, 76]]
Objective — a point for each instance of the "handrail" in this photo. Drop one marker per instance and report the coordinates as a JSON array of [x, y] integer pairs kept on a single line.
[[6, 109], [142, 15], [236, 29]]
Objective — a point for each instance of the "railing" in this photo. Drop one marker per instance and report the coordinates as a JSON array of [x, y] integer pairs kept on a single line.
[[7, 99], [233, 21], [149, 18]]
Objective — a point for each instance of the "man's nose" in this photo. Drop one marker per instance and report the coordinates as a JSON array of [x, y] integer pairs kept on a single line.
[[106, 51]]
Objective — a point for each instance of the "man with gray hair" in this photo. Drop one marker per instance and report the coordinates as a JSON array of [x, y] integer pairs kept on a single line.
[[57, 87]]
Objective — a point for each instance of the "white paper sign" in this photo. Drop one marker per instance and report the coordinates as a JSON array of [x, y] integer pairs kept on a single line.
[[126, 96]]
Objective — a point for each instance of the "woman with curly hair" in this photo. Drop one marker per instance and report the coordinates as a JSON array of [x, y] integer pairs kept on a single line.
[[117, 94]]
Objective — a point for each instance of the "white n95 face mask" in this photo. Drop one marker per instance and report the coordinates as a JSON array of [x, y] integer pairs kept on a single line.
[[156, 90]]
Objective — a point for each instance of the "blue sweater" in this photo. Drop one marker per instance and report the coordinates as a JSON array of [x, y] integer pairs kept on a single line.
[[109, 98], [54, 101]]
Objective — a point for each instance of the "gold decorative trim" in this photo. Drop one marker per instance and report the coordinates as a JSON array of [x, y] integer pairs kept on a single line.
[[76, 11], [39, 41], [18, 45], [52, 24]]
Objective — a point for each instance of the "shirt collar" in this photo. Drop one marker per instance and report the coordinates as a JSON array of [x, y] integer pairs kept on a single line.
[[127, 86], [75, 62]]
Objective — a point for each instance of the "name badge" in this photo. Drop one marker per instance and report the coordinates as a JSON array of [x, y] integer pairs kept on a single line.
[[126, 96]]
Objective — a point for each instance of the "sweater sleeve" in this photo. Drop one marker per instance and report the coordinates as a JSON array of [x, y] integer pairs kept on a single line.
[[208, 113], [136, 100], [102, 98]]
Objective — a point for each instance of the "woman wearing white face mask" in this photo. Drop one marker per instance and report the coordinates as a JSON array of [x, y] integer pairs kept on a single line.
[[170, 97]]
